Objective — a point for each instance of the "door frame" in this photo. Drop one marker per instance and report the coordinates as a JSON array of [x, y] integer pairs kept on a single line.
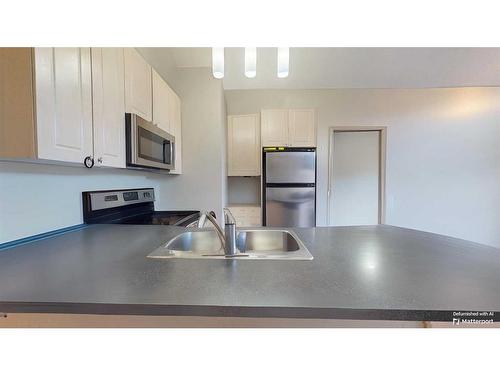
[[382, 161]]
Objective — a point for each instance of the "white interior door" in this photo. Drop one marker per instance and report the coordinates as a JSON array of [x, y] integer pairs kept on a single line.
[[354, 195]]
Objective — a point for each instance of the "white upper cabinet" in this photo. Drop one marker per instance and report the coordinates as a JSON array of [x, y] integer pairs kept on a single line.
[[274, 127], [176, 130], [174, 109], [63, 103], [244, 153], [288, 127], [69, 104], [166, 113], [162, 105], [138, 85], [108, 87], [301, 128]]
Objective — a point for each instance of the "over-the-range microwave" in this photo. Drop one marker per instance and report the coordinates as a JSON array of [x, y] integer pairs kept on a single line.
[[148, 146]]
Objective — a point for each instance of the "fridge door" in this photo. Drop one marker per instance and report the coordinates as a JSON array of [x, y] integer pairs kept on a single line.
[[290, 207], [291, 167]]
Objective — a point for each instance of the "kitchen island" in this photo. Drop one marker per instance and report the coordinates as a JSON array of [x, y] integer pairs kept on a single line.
[[358, 273]]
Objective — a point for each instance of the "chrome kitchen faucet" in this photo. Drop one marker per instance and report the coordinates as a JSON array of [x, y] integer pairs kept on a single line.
[[228, 236]]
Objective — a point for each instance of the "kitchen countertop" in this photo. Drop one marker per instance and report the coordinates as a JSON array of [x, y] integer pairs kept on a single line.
[[365, 272]]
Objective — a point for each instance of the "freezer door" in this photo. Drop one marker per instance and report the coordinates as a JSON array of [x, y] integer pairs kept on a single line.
[[290, 207], [291, 167]]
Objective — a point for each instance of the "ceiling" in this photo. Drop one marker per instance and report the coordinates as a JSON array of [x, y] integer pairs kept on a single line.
[[321, 68]]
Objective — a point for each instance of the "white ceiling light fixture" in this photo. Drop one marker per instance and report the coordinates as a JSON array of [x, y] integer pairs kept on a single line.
[[250, 62], [283, 62], [218, 62]]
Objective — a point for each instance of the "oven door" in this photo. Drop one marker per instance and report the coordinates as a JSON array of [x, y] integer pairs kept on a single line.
[[147, 145]]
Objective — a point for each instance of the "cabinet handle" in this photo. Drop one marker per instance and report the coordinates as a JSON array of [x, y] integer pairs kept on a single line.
[[88, 162]]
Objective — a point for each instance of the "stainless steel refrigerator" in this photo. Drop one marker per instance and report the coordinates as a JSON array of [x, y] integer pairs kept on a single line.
[[289, 187]]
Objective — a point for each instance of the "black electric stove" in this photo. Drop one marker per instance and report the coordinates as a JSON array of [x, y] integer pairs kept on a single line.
[[131, 206]]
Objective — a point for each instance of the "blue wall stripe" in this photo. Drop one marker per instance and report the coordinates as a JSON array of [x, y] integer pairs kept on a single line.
[[41, 236]]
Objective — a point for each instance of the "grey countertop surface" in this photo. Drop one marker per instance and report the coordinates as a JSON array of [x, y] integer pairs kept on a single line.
[[365, 272]]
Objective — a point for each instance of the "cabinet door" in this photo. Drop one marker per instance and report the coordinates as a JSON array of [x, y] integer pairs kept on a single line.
[[302, 128], [249, 216], [274, 127], [108, 88], [63, 103], [243, 145], [176, 127], [161, 103], [246, 215], [138, 87], [17, 107], [254, 218]]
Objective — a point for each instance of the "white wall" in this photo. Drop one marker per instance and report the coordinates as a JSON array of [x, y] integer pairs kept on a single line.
[[365, 67], [443, 151], [40, 198], [224, 149], [162, 60], [202, 185]]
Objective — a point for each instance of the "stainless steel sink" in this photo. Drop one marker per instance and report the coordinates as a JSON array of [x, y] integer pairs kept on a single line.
[[251, 244], [271, 243]]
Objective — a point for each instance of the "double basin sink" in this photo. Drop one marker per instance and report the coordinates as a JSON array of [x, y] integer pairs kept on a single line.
[[250, 243]]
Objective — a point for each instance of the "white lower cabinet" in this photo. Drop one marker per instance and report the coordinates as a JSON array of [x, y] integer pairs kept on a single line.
[[246, 215], [63, 99], [108, 107]]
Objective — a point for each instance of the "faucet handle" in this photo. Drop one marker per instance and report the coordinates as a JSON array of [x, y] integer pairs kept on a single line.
[[228, 217]]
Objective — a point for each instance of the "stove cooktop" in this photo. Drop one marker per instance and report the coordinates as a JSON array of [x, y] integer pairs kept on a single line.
[[163, 218]]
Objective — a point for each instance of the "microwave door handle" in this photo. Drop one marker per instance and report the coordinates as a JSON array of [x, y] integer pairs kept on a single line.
[[164, 152], [172, 155]]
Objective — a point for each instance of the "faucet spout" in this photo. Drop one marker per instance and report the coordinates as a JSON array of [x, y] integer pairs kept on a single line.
[[228, 236], [201, 222]]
